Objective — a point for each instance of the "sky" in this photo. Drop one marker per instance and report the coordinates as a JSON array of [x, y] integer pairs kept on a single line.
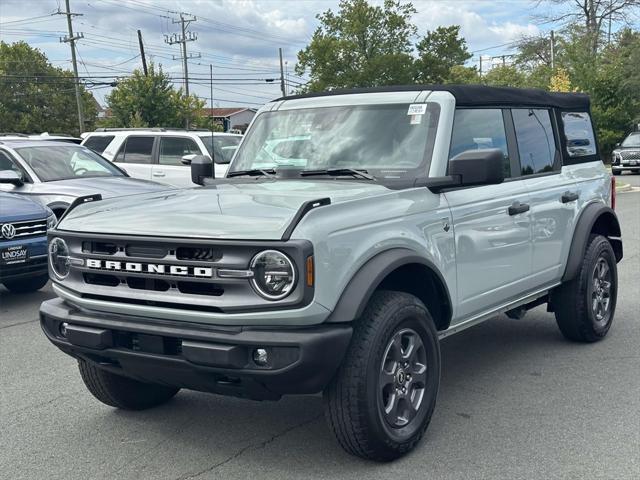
[[240, 38]]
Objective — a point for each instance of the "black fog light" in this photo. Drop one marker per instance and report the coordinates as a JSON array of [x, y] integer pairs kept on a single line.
[[63, 329]]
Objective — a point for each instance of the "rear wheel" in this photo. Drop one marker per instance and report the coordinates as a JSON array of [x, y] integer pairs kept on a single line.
[[381, 400], [27, 285], [615, 171], [585, 306], [123, 392]]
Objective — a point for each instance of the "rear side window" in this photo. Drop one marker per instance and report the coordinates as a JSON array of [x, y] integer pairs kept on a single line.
[[98, 143], [136, 150], [578, 130], [535, 139], [172, 149], [476, 129]]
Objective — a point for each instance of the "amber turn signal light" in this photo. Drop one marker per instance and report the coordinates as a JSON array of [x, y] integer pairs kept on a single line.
[[310, 271]]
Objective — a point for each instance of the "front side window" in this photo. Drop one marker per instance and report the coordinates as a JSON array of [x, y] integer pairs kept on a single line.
[[136, 150], [221, 147], [62, 162], [535, 139], [390, 141], [98, 143], [578, 130], [172, 149], [477, 129]]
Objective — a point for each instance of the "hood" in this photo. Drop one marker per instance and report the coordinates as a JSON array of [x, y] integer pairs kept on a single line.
[[18, 208], [107, 186], [243, 211]]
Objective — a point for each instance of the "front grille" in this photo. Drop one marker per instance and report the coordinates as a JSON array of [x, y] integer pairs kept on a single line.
[[630, 154], [33, 228]]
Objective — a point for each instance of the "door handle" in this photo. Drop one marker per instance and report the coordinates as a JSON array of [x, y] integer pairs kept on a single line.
[[569, 197], [517, 207], [158, 174]]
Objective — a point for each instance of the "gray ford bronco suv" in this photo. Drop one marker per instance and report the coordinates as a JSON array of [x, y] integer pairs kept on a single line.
[[354, 231]]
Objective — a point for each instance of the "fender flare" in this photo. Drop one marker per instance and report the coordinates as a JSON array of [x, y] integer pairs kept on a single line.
[[58, 204], [360, 288], [584, 226]]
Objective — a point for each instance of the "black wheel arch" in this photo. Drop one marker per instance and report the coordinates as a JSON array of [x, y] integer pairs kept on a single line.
[[58, 208], [398, 269], [596, 218]]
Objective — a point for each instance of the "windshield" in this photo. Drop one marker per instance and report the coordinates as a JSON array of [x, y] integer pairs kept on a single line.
[[225, 145], [385, 140], [632, 140], [62, 162]]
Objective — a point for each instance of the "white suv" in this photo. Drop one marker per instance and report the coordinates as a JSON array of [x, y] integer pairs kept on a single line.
[[160, 154]]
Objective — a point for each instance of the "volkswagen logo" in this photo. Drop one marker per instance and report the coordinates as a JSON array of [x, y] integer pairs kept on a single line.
[[8, 231]]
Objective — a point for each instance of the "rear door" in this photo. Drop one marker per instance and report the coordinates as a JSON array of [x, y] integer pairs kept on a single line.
[[552, 190], [136, 155], [169, 169], [492, 223]]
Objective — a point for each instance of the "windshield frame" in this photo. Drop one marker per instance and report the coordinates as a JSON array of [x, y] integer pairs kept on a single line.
[[99, 160], [410, 176]]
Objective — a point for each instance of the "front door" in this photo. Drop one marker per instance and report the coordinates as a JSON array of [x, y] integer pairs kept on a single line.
[[169, 169], [492, 224]]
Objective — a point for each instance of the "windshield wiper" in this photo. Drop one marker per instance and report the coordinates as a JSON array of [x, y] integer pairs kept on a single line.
[[358, 173], [254, 172]]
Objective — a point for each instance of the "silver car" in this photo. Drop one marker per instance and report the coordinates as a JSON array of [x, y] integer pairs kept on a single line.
[[56, 173]]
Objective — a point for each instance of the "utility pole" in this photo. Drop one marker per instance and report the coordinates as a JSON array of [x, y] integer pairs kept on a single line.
[[480, 67], [284, 93], [144, 59], [211, 99], [183, 38], [71, 39], [553, 50], [504, 61], [609, 31]]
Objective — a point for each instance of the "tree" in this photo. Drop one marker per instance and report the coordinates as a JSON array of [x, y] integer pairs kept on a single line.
[[591, 14], [150, 101], [505, 76], [439, 51], [560, 81], [37, 97], [360, 46], [463, 75]]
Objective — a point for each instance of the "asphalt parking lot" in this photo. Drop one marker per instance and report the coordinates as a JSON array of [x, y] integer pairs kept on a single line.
[[516, 401]]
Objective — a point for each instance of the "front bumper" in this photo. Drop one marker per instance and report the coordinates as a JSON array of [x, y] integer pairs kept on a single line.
[[200, 357]]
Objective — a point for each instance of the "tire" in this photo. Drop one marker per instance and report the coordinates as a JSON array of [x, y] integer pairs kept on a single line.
[[27, 285], [355, 399], [122, 392], [616, 172], [585, 306]]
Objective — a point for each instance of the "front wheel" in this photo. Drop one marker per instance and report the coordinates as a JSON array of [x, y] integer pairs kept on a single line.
[[27, 285], [380, 402], [585, 306], [615, 171]]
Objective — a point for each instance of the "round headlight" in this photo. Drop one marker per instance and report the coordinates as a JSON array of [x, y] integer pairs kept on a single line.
[[274, 276], [59, 257], [51, 221]]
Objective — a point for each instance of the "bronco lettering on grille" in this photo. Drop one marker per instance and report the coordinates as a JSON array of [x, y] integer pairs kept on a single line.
[[155, 268]]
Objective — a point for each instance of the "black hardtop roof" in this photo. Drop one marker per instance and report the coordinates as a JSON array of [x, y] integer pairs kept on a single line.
[[479, 95]]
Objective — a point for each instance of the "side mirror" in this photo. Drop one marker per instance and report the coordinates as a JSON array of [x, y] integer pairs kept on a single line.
[[618, 144], [478, 167], [201, 168], [11, 176], [187, 159]]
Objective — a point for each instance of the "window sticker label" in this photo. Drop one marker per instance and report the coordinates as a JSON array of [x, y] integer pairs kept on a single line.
[[416, 119], [417, 109]]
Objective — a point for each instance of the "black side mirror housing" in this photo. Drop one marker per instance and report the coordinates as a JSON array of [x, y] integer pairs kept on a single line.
[[470, 168], [201, 169], [478, 167], [10, 176]]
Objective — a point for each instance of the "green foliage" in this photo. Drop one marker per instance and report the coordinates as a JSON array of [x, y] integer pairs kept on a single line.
[[439, 51], [151, 101], [37, 97], [360, 46], [505, 76]]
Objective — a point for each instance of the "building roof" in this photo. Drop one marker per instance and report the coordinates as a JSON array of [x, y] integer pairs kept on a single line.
[[226, 112], [480, 95]]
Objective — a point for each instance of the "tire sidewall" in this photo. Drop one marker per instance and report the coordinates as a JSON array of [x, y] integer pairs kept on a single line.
[[416, 317]]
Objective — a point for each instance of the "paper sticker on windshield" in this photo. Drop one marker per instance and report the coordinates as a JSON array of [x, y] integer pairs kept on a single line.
[[416, 119], [417, 109]]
